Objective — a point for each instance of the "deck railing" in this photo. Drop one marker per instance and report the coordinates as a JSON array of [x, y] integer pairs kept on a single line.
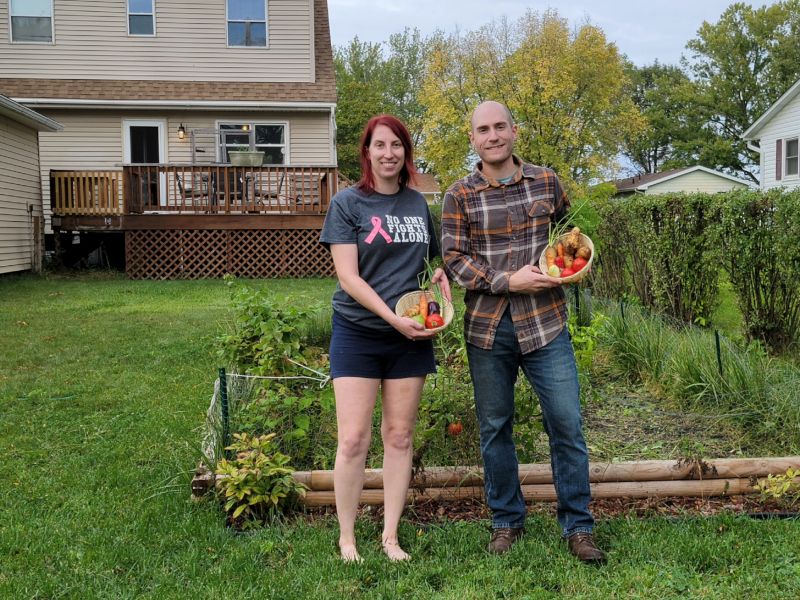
[[175, 188], [86, 192]]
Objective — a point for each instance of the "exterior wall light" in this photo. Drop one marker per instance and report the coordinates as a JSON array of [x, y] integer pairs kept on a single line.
[[181, 131]]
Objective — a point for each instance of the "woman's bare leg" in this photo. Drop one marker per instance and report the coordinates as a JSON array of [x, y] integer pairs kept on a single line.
[[355, 401], [400, 404]]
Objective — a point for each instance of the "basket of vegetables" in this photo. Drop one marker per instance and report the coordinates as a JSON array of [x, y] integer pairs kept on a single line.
[[568, 256], [422, 306], [426, 305]]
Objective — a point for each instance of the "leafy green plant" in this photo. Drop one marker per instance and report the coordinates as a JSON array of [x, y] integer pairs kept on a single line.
[[257, 483], [300, 416], [762, 257], [784, 488], [666, 249], [267, 331]]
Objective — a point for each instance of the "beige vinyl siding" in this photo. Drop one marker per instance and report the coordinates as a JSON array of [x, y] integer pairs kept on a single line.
[[92, 42], [91, 140], [697, 181], [310, 135], [19, 189], [785, 124]]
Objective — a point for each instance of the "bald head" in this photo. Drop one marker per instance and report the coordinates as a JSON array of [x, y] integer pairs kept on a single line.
[[488, 108]]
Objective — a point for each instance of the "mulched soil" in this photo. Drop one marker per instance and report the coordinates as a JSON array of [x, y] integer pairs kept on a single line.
[[434, 512]]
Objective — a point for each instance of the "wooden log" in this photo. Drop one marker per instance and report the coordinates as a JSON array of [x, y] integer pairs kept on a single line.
[[546, 492], [648, 470]]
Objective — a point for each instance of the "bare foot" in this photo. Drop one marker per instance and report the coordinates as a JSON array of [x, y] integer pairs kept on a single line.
[[392, 549], [349, 553]]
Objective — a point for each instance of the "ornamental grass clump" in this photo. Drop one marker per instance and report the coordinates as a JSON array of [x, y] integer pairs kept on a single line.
[[741, 384], [639, 345]]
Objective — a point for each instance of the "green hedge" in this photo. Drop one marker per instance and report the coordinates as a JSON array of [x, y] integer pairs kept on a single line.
[[761, 243], [667, 251], [663, 249]]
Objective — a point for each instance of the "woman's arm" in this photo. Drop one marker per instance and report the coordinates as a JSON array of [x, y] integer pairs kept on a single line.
[[345, 260]]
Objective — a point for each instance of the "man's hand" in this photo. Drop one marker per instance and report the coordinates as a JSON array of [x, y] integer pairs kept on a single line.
[[530, 280]]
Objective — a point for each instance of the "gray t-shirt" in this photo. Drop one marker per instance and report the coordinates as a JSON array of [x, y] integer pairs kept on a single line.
[[394, 234]]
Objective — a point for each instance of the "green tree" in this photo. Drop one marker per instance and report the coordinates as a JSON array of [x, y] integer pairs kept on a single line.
[[566, 89], [741, 64], [360, 90], [665, 96], [374, 78]]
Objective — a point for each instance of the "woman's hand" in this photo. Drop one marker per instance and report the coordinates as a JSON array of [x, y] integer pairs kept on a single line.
[[440, 278], [411, 329]]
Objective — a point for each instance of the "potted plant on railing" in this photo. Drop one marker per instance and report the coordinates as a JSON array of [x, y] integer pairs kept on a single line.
[[242, 156]]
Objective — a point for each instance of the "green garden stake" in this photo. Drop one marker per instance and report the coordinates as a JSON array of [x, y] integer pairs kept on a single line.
[[719, 353], [577, 294], [223, 394]]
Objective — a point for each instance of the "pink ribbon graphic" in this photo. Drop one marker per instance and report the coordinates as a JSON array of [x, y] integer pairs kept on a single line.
[[377, 228]]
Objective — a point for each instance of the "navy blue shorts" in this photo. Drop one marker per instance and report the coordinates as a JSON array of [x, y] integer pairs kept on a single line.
[[361, 352]]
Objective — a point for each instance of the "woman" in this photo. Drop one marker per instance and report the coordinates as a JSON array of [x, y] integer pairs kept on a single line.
[[379, 233]]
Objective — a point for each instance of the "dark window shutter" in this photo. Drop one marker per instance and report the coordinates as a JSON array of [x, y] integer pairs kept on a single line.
[[778, 158]]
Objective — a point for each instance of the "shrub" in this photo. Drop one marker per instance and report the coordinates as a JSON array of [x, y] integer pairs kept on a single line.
[[668, 248], [256, 484], [783, 488], [762, 257], [267, 331]]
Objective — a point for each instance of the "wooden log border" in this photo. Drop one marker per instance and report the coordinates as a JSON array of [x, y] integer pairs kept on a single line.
[[640, 479]]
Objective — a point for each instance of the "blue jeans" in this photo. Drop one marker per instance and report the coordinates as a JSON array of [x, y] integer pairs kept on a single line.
[[552, 372]]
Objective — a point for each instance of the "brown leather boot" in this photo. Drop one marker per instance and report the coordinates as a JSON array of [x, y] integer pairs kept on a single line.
[[582, 545], [503, 538]]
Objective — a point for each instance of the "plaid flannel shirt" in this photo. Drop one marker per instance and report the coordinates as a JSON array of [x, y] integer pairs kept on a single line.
[[489, 231]]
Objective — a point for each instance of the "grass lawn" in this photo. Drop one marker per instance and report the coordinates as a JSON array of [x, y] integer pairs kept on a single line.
[[104, 384]]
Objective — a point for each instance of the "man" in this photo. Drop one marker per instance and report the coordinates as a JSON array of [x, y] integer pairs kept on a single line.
[[494, 228]]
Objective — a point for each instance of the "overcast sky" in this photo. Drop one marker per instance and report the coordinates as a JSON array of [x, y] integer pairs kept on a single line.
[[643, 30]]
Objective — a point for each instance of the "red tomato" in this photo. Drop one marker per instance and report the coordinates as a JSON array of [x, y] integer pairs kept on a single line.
[[579, 263], [433, 321], [567, 272], [455, 428], [560, 262]]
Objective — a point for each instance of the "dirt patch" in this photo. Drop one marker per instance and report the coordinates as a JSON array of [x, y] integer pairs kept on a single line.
[[433, 512]]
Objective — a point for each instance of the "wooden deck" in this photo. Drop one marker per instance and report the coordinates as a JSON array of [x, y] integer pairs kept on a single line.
[[189, 221], [193, 189]]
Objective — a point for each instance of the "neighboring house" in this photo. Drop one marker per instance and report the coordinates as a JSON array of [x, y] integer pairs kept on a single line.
[[775, 136], [688, 179], [427, 185], [153, 96], [21, 216]]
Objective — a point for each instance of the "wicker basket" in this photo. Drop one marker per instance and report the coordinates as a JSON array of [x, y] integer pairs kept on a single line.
[[410, 299], [577, 277]]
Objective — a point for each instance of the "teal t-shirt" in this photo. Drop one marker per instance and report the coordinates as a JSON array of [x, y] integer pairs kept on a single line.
[[394, 234]]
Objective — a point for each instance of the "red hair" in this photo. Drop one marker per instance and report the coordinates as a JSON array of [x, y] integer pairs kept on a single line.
[[407, 173]]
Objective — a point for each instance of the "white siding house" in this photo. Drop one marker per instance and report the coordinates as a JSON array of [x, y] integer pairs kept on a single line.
[[775, 136], [687, 180], [21, 224]]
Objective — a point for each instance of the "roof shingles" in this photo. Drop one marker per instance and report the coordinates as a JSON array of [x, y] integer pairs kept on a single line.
[[322, 90]]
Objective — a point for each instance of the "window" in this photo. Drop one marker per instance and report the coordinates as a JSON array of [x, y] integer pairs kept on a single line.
[[141, 17], [32, 21], [791, 160], [269, 138], [247, 23]]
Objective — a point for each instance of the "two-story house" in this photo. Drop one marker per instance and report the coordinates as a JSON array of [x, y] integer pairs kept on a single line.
[[775, 136], [153, 96]]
